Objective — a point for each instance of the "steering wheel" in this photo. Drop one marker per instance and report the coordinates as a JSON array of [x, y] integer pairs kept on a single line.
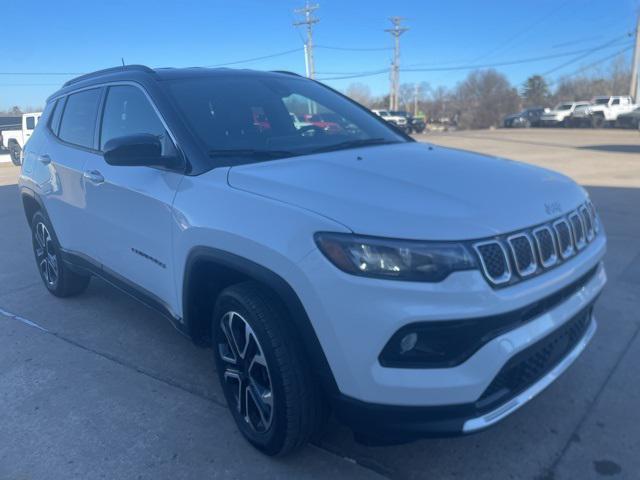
[[307, 129]]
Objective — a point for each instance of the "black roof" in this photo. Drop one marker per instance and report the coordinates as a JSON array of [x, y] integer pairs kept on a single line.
[[142, 72]]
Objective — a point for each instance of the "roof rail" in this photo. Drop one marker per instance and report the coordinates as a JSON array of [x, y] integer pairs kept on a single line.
[[286, 72], [98, 73]]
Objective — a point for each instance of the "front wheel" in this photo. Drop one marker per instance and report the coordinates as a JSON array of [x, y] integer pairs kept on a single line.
[[265, 376], [597, 121], [56, 276]]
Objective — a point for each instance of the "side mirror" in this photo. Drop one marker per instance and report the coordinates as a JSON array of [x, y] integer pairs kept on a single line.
[[143, 150]]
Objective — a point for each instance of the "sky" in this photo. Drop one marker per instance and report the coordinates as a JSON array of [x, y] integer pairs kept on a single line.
[[68, 37]]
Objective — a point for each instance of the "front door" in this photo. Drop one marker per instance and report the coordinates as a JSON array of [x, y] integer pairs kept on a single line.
[[130, 208]]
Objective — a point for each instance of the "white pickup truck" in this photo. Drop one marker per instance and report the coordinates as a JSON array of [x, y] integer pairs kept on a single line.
[[602, 111], [397, 120], [14, 140]]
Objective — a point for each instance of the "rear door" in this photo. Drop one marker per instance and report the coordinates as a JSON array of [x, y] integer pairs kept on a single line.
[[60, 165], [130, 208]]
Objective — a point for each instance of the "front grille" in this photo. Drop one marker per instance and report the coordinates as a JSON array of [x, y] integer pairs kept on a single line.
[[586, 220], [546, 246], [578, 230], [532, 251], [533, 363], [494, 261], [523, 254]]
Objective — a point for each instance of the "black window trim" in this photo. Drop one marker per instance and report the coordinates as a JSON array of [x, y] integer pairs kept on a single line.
[[103, 104], [57, 134], [103, 87]]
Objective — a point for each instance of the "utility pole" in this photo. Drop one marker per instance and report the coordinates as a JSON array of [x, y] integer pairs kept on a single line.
[[634, 89], [394, 91], [416, 92], [309, 20]]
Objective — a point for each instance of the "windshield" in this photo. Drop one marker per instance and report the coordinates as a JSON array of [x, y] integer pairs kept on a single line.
[[601, 101], [250, 118], [564, 106]]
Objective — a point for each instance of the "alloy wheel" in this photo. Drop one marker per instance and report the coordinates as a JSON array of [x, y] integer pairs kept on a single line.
[[246, 374], [45, 255]]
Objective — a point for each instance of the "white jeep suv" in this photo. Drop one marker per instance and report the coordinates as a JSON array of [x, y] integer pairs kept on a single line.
[[412, 290]]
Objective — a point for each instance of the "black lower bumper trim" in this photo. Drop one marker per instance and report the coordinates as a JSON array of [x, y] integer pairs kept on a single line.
[[394, 424]]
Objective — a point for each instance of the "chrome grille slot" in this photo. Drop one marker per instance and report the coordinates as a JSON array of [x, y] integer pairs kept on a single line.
[[494, 260], [565, 239], [586, 221], [523, 254], [578, 230], [546, 246], [594, 217]]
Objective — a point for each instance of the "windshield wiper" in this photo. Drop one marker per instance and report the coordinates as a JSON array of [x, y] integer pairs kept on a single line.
[[354, 144], [250, 152]]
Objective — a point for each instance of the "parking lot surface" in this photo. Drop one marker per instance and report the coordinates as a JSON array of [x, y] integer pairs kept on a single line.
[[99, 386]]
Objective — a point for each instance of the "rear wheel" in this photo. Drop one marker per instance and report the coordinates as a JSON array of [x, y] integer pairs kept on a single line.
[[56, 276], [264, 374], [15, 152]]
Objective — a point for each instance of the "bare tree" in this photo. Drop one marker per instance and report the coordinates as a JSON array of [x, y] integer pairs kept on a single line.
[[484, 98], [361, 93]]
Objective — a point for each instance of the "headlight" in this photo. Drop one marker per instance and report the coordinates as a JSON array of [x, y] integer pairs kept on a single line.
[[394, 259]]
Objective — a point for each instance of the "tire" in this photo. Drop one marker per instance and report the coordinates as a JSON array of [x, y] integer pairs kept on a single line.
[[56, 276], [269, 388], [597, 121], [14, 152]]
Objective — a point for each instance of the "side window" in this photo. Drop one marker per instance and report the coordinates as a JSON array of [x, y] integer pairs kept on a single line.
[[31, 123], [127, 111], [79, 120], [54, 123]]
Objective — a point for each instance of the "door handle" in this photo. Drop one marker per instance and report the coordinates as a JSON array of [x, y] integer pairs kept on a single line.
[[94, 176], [44, 159]]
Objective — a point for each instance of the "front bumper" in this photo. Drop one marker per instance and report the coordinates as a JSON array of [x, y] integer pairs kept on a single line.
[[389, 424], [354, 318]]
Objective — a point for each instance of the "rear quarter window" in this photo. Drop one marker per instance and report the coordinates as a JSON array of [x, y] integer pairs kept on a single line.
[[78, 123]]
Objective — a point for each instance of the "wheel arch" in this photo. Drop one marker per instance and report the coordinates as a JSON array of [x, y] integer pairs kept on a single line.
[[209, 270], [31, 203]]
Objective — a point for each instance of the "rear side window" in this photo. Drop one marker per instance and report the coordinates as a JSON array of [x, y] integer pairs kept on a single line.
[[127, 111], [54, 124], [79, 120]]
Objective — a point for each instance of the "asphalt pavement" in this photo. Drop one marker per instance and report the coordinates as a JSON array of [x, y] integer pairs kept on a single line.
[[99, 386]]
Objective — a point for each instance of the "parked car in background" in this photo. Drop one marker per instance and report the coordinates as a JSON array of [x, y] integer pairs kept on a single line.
[[629, 120], [414, 124], [529, 117], [602, 111], [560, 114], [397, 120], [14, 140]]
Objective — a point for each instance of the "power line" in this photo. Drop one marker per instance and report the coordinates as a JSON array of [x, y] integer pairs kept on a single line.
[[254, 59], [42, 73], [580, 57], [365, 49], [591, 65], [347, 75], [507, 43]]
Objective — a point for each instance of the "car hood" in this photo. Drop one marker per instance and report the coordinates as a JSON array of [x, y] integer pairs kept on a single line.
[[414, 191], [513, 116]]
